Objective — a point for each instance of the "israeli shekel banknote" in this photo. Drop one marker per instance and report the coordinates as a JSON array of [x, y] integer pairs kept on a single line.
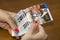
[[25, 17]]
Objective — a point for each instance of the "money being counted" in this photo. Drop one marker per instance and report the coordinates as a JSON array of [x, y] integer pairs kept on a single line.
[[25, 17]]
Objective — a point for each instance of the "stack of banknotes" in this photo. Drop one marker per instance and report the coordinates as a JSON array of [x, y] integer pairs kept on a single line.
[[25, 17]]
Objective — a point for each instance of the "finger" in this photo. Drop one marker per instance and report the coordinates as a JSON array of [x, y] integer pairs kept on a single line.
[[12, 14], [41, 34], [12, 25], [34, 28], [35, 7], [41, 31], [7, 27], [41, 28], [4, 25], [10, 32], [38, 6]]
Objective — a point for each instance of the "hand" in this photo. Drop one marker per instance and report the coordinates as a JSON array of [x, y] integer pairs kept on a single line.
[[6, 21], [35, 33]]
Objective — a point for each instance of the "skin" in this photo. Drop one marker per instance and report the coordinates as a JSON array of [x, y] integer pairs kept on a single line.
[[6, 21], [36, 32]]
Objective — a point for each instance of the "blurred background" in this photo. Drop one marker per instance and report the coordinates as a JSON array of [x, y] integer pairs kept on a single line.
[[52, 29]]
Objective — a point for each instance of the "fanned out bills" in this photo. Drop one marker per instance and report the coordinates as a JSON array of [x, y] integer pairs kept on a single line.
[[25, 17]]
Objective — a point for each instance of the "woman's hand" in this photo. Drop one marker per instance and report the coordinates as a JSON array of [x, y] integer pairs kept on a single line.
[[6, 21], [35, 33]]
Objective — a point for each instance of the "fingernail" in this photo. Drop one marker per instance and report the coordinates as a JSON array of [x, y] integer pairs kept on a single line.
[[16, 30], [35, 21]]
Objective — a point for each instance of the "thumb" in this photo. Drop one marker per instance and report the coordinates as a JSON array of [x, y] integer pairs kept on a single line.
[[12, 25], [34, 29]]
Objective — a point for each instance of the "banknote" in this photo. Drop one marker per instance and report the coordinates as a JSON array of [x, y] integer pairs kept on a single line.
[[25, 17], [23, 21]]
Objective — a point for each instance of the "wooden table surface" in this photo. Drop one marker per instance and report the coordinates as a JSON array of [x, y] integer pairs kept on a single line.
[[52, 29]]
